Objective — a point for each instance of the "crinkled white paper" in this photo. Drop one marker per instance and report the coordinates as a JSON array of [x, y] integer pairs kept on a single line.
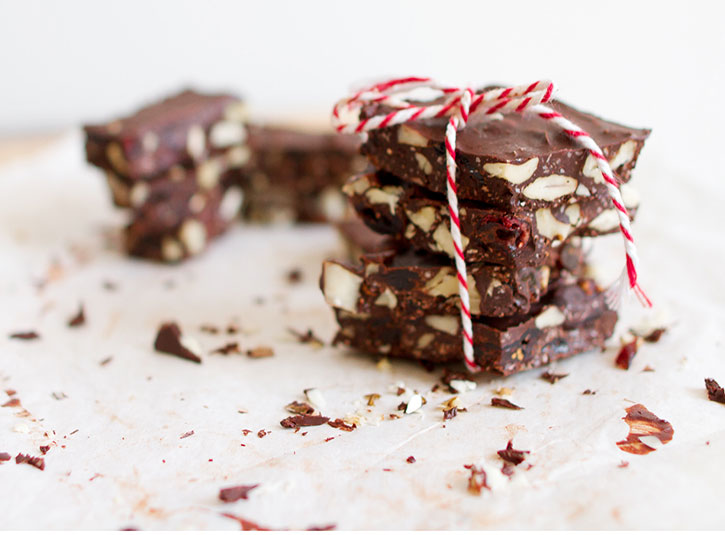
[[126, 465]]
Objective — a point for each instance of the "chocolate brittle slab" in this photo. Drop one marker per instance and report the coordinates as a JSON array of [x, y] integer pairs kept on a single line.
[[510, 160]]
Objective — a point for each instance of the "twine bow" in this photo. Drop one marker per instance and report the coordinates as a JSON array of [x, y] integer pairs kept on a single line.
[[459, 104]]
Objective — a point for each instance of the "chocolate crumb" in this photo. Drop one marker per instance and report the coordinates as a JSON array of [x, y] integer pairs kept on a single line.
[[79, 319], [626, 353], [410, 460], [589, 392], [232, 329], [642, 423], [294, 276], [372, 398], [451, 413], [651, 337], [12, 402], [11, 392], [106, 361], [403, 405], [507, 469], [328, 439], [233, 494], [209, 329], [303, 420], [477, 479], [511, 455], [228, 349], [187, 434], [340, 424], [308, 337], [648, 368], [393, 417], [260, 352], [245, 432], [553, 377], [73, 432], [400, 391], [504, 404], [44, 449], [25, 335], [169, 340], [37, 462], [714, 391], [298, 407], [261, 433], [5, 456]]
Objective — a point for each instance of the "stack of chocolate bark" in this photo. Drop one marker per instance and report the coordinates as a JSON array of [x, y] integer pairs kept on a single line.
[[527, 195], [187, 166], [172, 164]]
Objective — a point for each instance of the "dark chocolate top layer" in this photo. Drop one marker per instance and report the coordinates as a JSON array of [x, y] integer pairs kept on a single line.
[[187, 107], [273, 137], [517, 137]]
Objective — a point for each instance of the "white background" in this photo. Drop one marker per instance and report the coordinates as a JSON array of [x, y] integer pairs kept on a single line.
[[656, 64]]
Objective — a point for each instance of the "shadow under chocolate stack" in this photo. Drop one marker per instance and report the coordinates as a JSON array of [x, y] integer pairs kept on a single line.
[[527, 195]]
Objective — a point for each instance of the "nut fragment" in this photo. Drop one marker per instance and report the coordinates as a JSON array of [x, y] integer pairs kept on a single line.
[[238, 156], [171, 250], [415, 403], [150, 142], [409, 136], [630, 196], [448, 324], [193, 235], [606, 221], [236, 111], [624, 154], [574, 213], [425, 340], [341, 287], [514, 173], [550, 227], [231, 203], [119, 190], [387, 299], [550, 317], [386, 195], [195, 142], [226, 134], [208, 173], [357, 185], [115, 156], [444, 241], [423, 218], [139, 194], [550, 187], [423, 163]]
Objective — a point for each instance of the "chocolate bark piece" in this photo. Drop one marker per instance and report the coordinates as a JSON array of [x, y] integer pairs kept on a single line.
[[185, 128], [295, 174], [571, 319], [180, 222], [410, 286], [512, 238], [220, 169], [508, 161]]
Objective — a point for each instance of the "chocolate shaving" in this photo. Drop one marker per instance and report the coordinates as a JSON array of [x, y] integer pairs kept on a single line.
[[553, 377], [245, 432], [187, 434], [588, 392], [260, 352], [25, 335], [168, 340], [304, 420], [244, 524], [714, 391], [308, 337], [261, 433], [44, 449], [11, 392], [5, 456], [504, 404], [79, 319], [294, 276], [37, 462], [233, 494], [627, 353], [228, 349], [410, 460], [400, 391], [511, 455], [651, 337], [451, 413], [340, 424], [106, 361], [402, 406], [297, 407], [477, 479], [13, 402], [642, 423]]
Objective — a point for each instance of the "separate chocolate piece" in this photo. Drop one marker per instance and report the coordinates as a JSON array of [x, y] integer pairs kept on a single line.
[[182, 129], [642, 423], [411, 285], [505, 404], [25, 335], [233, 494], [78, 319], [304, 420], [180, 222], [295, 175], [508, 161], [170, 340], [570, 319], [511, 455], [512, 238], [37, 462], [714, 391]]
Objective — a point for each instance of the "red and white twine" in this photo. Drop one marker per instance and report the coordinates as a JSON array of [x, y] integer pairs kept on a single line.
[[459, 104]]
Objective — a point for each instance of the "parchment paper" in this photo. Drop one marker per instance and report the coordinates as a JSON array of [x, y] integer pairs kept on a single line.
[[126, 465]]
